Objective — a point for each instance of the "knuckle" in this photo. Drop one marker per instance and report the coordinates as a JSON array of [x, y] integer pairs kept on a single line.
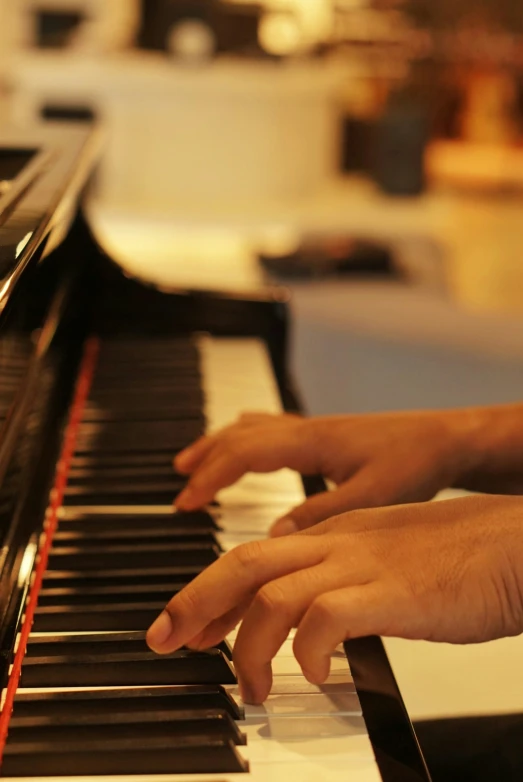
[[186, 602], [271, 600], [248, 555], [303, 653], [325, 610], [233, 448]]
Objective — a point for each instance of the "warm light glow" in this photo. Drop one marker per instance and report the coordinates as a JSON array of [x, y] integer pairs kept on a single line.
[[191, 40], [22, 244], [279, 242], [27, 563], [279, 34]]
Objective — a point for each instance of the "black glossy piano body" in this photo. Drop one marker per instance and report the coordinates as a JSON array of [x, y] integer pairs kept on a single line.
[[58, 289]]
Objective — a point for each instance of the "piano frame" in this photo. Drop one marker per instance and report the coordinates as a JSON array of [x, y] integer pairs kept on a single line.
[[74, 290]]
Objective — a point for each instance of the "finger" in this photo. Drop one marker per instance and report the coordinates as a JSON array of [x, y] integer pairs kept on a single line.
[[318, 508], [226, 584], [351, 612], [380, 483], [263, 450], [216, 631], [257, 417], [188, 459], [276, 608], [361, 491], [221, 468]]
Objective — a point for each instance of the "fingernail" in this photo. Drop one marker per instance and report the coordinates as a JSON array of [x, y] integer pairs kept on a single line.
[[159, 631], [283, 527]]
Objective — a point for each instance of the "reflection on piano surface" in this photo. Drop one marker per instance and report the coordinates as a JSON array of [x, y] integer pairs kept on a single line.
[[102, 380]]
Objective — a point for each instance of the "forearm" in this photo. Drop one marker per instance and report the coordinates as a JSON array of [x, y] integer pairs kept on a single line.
[[491, 439]]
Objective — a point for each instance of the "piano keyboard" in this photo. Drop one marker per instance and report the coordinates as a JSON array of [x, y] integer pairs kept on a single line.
[[92, 699]]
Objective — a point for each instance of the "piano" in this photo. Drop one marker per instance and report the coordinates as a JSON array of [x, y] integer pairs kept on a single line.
[[103, 378]]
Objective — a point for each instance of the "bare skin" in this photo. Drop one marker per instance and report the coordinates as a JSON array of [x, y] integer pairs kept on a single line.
[[448, 571], [374, 460]]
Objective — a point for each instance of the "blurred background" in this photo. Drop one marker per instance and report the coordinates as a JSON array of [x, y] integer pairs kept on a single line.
[[365, 154]]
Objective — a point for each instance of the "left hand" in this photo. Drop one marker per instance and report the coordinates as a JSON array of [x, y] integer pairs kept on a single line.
[[446, 571]]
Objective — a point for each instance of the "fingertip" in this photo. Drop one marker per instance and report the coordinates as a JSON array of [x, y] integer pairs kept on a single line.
[[255, 687], [319, 673], [253, 694], [283, 527], [186, 500], [182, 462], [159, 633]]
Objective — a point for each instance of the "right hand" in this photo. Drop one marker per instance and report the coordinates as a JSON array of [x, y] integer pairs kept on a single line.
[[374, 460], [443, 571]]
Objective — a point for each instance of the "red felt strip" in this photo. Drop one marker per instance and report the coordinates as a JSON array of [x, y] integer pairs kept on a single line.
[[83, 385]]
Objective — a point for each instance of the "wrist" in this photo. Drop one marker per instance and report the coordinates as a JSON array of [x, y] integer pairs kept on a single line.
[[489, 444]]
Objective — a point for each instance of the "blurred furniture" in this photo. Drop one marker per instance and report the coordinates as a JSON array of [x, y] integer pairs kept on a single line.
[[180, 138], [79, 26]]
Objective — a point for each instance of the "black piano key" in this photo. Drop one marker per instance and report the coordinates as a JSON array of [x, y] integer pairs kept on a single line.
[[183, 419], [126, 488], [129, 593], [96, 617], [114, 701], [162, 537], [166, 724], [155, 372], [129, 556], [150, 458], [175, 377], [51, 645], [130, 444], [119, 473], [187, 372], [156, 364], [170, 393], [133, 668], [141, 496], [145, 431], [134, 576], [186, 522], [112, 359], [148, 755], [184, 371], [142, 413], [148, 366], [48, 645], [138, 495]]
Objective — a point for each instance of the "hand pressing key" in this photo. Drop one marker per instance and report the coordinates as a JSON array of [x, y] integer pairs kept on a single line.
[[447, 571], [374, 459]]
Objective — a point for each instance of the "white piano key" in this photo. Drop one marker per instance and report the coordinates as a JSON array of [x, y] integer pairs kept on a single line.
[[288, 740], [301, 704], [317, 727], [355, 770], [289, 666], [303, 731]]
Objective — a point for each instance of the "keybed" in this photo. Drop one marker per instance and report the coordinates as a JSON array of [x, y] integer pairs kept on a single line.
[[93, 700]]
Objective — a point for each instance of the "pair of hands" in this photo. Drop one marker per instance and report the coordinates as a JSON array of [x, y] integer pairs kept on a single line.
[[450, 571]]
